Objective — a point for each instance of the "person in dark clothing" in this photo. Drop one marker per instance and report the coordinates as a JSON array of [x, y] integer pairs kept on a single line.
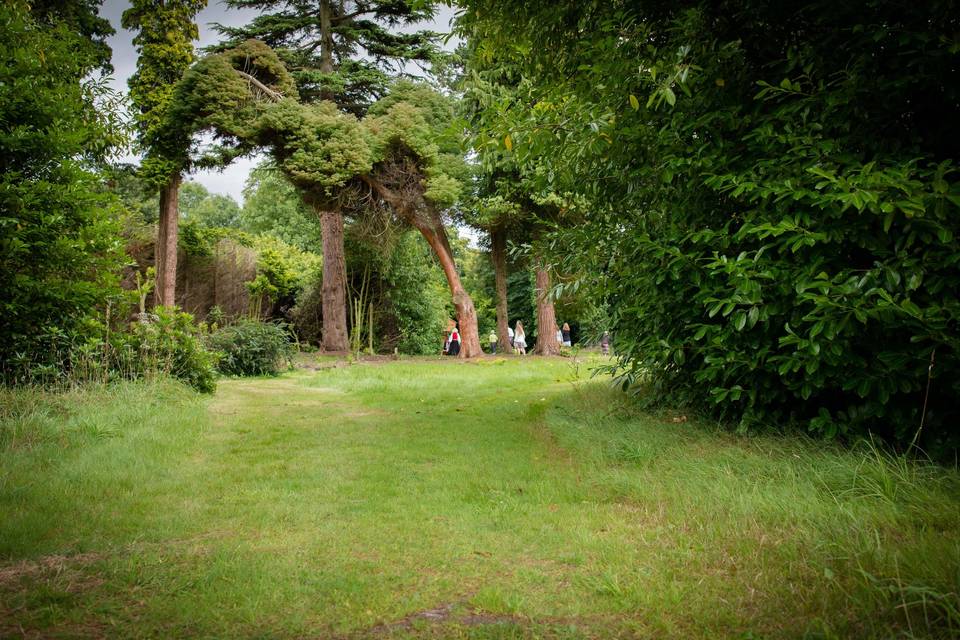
[[565, 332], [453, 347]]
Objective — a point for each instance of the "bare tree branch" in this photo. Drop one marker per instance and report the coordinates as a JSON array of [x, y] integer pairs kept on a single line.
[[276, 96]]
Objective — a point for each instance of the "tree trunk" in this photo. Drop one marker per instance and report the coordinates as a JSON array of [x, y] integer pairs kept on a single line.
[[431, 226], [166, 248], [436, 237], [547, 344], [326, 45], [498, 243], [334, 290]]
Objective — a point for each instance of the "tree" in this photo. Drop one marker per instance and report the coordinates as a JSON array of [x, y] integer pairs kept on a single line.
[[398, 158], [345, 52], [339, 52], [198, 205], [81, 18], [164, 40], [59, 248], [272, 206], [507, 202]]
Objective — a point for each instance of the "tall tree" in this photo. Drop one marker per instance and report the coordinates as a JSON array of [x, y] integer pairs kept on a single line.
[[165, 34], [343, 52], [402, 157]]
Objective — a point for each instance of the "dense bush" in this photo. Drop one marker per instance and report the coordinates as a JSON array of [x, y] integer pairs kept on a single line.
[[252, 348], [59, 252], [416, 296], [168, 342], [165, 343], [773, 208]]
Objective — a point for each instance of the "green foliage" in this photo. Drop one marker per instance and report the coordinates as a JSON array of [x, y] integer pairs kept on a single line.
[[81, 17], [168, 343], [196, 204], [367, 42], [252, 348], [139, 199], [164, 40], [272, 206], [769, 205], [59, 248], [415, 297]]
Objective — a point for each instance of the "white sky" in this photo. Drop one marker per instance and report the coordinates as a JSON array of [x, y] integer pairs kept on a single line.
[[230, 180]]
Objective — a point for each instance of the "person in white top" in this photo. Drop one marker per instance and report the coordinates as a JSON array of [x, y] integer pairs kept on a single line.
[[519, 339], [510, 335]]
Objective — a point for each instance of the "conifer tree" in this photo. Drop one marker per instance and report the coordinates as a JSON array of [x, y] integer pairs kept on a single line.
[[166, 31], [344, 52]]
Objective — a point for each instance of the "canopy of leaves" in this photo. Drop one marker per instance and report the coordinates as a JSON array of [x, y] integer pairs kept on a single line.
[[368, 41], [247, 99], [165, 32], [80, 17], [769, 196], [272, 206]]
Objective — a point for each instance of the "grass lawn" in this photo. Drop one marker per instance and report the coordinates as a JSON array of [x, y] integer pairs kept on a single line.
[[422, 498]]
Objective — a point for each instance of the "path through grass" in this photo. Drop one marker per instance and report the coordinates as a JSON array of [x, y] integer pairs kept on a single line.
[[443, 499]]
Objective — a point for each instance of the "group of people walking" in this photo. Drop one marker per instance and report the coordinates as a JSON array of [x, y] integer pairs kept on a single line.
[[518, 339]]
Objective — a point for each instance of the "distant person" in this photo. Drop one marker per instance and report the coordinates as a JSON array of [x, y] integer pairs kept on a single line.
[[454, 342], [519, 340], [492, 338], [605, 343], [565, 335], [510, 335], [559, 337]]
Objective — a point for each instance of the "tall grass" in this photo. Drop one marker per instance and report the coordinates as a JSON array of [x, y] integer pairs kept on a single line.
[[862, 532]]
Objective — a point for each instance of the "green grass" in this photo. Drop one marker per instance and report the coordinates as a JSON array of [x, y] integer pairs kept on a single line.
[[495, 499]]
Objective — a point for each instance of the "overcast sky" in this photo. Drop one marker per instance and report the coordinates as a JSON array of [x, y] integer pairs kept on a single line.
[[230, 181]]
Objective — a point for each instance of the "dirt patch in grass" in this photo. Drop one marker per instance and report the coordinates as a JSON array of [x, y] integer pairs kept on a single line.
[[45, 566], [48, 583], [444, 615]]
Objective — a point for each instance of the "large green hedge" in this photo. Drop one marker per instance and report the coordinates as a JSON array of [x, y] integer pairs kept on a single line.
[[772, 205]]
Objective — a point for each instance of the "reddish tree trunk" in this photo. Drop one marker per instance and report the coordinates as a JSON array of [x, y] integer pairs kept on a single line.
[[498, 243], [334, 290], [547, 344], [431, 226], [436, 237], [166, 248]]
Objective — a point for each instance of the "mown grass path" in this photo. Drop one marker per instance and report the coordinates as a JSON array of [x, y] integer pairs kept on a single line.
[[448, 499]]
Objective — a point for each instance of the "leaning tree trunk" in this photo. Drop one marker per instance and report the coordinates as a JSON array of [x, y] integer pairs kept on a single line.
[[436, 237], [166, 247], [498, 242], [334, 289], [429, 224], [547, 344]]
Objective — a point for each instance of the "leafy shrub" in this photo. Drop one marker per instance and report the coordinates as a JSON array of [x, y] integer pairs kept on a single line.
[[59, 257], [252, 348], [307, 315], [773, 218], [166, 342]]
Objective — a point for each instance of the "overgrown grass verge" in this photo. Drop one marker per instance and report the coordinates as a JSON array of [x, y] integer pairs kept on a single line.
[[432, 498], [851, 542]]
